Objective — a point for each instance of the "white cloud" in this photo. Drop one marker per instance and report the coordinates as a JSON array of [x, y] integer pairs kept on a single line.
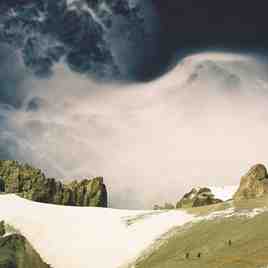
[[204, 123]]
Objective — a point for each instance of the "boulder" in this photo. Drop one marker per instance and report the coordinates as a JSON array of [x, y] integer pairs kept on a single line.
[[198, 197], [254, 184], [32, 184], [206, 201]]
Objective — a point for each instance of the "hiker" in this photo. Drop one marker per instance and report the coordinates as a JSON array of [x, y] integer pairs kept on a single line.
[[187, 255], [199, 255], [229, 242]]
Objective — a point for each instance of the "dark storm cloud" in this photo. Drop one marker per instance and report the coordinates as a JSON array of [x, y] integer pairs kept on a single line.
[[142, 41], [12, 77], [135, 43], [34, 104], [190, 25], [114, 40], [13, 90]]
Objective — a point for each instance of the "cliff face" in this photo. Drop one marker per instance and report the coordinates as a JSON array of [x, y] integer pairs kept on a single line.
[[254, 184], [32, 184]]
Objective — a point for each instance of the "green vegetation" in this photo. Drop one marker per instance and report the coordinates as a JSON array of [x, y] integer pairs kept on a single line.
[[233, 242], [205, 210]]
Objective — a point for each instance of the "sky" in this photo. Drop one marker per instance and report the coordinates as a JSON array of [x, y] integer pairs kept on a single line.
[[189, 25], [201, 119]]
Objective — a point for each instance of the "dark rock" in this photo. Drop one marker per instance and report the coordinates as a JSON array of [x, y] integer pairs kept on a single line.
[[2, 185], [32, 184], [2, 228]]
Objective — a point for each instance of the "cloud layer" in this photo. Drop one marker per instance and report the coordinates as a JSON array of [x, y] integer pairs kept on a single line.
[[204, 123]]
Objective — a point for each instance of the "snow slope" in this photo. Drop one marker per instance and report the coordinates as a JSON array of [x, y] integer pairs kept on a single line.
[[224, 193], [77, 237]]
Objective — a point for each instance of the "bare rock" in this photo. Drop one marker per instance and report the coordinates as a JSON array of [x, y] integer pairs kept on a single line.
[[198, 197], [254, 184], [32, 184]]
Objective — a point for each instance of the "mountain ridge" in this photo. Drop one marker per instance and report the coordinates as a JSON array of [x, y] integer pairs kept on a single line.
[[32, 184]]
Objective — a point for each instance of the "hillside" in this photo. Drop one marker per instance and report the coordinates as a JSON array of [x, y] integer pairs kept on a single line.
[[228, 234], [235, 237]]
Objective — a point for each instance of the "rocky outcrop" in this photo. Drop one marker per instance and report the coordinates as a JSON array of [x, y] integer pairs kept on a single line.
[[167, 206], [16, 252], [2, 228], [198, 197], [32, 184], [254, 184]]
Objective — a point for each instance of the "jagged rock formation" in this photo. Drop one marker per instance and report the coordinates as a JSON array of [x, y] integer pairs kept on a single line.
[[197, 198], [32, 184], [254, 184], [16, 252]]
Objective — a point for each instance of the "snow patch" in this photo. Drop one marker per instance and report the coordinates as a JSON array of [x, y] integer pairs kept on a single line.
[[223, 193], [81, 237], [232, 212]]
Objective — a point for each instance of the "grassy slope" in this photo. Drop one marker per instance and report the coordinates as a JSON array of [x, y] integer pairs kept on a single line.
[[249, 237]]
